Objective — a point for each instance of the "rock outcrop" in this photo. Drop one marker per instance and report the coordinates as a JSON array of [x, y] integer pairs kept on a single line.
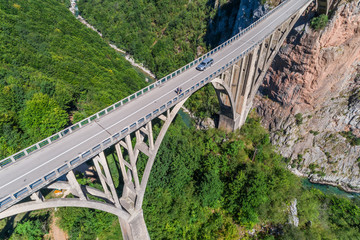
[[311, 100]]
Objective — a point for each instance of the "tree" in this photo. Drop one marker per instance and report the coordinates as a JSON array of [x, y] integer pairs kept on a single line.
[[42, 116], [319, 22], [30, 230]]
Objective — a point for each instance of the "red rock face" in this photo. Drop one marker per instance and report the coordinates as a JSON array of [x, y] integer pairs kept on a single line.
[[316, 76], [303, 74]]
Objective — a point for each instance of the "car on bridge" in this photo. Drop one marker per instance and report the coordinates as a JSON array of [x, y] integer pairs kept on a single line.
[[207, 62]]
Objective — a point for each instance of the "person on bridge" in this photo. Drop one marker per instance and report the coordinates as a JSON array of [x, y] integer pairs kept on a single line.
[[178, 91]]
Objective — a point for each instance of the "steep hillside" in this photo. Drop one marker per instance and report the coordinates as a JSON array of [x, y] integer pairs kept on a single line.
[[51, 66], [164, 35], [312, 103]]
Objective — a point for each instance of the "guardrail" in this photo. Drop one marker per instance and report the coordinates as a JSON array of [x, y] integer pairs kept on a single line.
[[43, 143], [83, 157]]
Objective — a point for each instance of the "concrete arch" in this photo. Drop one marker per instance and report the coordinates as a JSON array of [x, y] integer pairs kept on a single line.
[[64, 202], [158, 141], [130, 223], [226, 91]]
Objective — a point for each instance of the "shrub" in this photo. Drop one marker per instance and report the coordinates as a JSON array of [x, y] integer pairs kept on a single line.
[[313, 166], [314, 132], [300, 158], [318, 23], [351, 138], [298, 119]]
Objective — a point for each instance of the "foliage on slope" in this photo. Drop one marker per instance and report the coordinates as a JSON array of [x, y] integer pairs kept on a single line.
[[52, 66], [212, 185], [214, 181], [164, 35], [26, 226]]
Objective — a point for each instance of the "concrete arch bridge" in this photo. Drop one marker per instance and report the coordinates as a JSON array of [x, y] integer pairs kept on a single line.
[[240, 64]]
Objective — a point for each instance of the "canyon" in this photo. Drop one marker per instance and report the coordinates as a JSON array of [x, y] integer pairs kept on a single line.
[[310, 99]]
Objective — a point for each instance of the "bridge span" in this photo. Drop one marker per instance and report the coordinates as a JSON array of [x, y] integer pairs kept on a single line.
[[239, 66]]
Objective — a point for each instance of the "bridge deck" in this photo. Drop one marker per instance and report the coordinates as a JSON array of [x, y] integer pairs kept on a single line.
[[37, 165]]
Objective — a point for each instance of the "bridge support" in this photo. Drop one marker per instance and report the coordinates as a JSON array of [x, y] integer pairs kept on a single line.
[[140, 146], [323, 6], [237, 86]]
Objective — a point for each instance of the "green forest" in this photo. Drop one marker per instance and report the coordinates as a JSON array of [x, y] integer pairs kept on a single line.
[[164, 35], [205, 184], [53, 71], [211, 185]]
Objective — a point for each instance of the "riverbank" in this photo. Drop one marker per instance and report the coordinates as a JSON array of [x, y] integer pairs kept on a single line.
[[329, 189], [315, 181]]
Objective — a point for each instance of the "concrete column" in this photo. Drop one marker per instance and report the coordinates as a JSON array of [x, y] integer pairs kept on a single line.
[[138, 226], [226, 123], [150, 136], [102, 178], [75, 185], [37, 196], [135, 227], [109, 180], [121, 161], [257, 55], [268, 51], [226, 119], [239, 78], [132, 161], [323, 6], [250, 71]]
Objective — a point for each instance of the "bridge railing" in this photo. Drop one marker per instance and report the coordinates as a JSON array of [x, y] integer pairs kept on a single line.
[[43, 143], [94, 150]]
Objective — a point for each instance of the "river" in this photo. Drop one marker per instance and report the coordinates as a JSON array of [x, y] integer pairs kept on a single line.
[[327, 189]]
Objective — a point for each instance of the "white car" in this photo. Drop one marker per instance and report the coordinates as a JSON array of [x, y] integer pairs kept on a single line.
[[207, 62]]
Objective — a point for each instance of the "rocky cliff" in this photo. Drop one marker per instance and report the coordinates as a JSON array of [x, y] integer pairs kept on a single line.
[[311, 100]]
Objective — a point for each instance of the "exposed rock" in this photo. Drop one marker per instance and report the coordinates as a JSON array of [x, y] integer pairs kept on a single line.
[[294, 220], [233, 16], [222, 24], [202, 124], [249, 12], [316, 76]]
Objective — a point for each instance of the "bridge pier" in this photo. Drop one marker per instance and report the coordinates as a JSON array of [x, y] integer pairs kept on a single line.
[[135, 227], [323, 6], [226, 123], [237, 86]]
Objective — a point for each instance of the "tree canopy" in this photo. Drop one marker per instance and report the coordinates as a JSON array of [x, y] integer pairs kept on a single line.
[[53, 71]]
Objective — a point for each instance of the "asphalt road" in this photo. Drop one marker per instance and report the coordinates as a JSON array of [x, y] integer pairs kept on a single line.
[[34, 166]]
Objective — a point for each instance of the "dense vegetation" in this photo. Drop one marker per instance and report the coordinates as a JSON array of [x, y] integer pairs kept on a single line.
[[52, 66], [204, 184], [164, 35], [223, 187], [26, 226]]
